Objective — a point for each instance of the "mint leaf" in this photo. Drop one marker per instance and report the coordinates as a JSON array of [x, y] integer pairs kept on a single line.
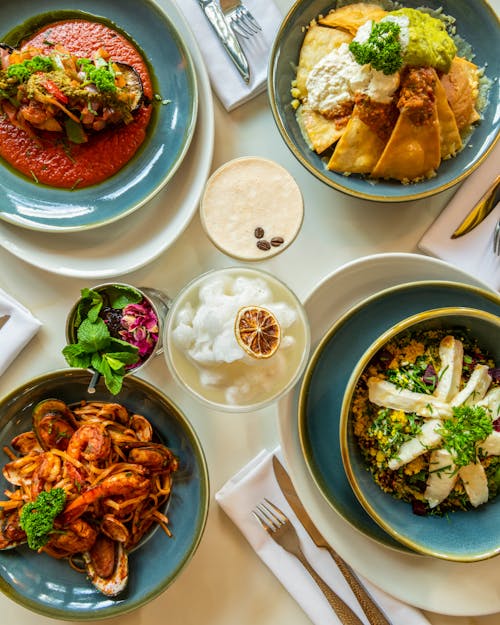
[[113, 379], [76, 357], [115, 362], [120, 296], [89, 306], [124, 358], [117, 345], [93, 336]]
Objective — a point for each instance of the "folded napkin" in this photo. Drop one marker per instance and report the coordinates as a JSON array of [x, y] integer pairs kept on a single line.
[[227, 83], [473, 251], [242, 493], [17, 331]]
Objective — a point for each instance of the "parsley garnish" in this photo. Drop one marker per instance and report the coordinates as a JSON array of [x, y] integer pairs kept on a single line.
[[468, 426], [37, 517], [382, 49]]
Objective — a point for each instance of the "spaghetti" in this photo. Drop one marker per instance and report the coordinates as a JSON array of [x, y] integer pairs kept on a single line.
[[116, 478]]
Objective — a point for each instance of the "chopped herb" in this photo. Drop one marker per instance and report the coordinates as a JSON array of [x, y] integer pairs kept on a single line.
[[382, 49], [468, 426], [37, 517]]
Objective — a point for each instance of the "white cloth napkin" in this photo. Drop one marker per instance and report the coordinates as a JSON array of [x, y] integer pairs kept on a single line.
[[17, 331], [473, 251], [242, 493], [227, 83]]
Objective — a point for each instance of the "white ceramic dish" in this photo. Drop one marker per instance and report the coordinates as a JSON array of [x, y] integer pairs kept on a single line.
[[445, 587], [131, 243]]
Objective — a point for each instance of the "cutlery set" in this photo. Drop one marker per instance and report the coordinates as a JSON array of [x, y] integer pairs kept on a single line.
[[281, 530], [228, 19]]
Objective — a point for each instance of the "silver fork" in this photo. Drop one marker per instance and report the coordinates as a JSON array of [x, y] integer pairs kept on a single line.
[[496, 239], [240, 18], [281, 530]]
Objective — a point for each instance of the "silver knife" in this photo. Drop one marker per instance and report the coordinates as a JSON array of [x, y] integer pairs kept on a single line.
[[226, 35], [370, 608], [481, 210]]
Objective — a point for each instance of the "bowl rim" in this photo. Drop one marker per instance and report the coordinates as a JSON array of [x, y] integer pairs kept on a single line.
[[344, 422], [272, 97]]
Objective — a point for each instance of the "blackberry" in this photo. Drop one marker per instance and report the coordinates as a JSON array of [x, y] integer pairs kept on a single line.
[[113, 319]]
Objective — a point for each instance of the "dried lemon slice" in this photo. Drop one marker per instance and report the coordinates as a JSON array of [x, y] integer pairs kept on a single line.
[[257, 331]]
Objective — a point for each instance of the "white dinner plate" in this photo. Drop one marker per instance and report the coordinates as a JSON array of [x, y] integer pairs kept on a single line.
[[134, 241], [432, 584]]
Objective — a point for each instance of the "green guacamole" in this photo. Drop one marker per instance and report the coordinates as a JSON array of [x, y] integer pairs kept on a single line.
[[429, 44]]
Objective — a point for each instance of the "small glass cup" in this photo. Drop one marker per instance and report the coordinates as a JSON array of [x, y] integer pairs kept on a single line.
[[203, 353], [252, 208], [157, 300]]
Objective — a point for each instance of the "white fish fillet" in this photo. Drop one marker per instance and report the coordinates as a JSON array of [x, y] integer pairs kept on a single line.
[[451, 353], [425, 440], [475, 483], [491, 445], [491, 401], [442, 477], [384, 393], [475, 389]]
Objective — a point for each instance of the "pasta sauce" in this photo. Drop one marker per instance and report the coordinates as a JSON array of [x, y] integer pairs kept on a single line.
[[51, 159]]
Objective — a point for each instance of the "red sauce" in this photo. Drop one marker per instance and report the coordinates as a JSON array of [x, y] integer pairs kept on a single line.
[[59, 163]]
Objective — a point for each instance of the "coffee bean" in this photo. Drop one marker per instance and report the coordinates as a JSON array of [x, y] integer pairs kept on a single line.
[[263, 245], [259, 232], [277, 241]]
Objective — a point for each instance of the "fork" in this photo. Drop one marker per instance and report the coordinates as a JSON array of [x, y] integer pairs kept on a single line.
[[240, 18], [281, 530], [496, 239]]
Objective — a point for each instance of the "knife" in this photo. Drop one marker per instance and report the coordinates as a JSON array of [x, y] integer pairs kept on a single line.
[[370, 608], [226, 35], [481, 210]]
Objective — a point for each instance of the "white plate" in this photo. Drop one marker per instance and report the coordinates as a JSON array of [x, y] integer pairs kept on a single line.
[[429, 583], [136, 240]]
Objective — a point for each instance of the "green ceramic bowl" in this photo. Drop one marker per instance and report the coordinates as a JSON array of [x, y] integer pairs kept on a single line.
[[480, 27], [51, 587], [463, 536]]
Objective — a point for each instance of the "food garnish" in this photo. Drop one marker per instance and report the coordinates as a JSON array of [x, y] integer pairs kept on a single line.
[[116, 330], [257, 331], [37, 517]]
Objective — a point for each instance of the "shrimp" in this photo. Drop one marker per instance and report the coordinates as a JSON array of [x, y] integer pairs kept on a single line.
[[90, 441], [127, 484], [47, 472]]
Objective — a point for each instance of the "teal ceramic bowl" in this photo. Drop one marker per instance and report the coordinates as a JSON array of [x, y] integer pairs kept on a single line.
[[51, 587], [38, 207], [327, 377], [464, 536], [480, 27]]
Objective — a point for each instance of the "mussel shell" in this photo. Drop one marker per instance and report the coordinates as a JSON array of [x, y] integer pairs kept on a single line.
[[50, 407], [134, 84], [114, 584], [6, 46]]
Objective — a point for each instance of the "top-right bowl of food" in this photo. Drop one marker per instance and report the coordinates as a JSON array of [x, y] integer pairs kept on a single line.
[[388, 101]]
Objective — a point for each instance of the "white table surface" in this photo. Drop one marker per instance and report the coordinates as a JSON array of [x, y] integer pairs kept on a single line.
[[226, 583]]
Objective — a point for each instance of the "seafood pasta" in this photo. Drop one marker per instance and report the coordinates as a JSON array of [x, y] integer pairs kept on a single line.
[[90, 482]]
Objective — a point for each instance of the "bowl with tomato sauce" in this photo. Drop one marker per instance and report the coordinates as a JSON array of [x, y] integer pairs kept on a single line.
[[98, 166]]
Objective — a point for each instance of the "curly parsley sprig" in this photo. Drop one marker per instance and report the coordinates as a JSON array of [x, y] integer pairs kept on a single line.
[[382, 49]]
